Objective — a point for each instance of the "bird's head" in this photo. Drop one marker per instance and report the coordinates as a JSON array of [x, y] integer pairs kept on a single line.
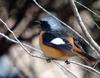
[[49, 23]]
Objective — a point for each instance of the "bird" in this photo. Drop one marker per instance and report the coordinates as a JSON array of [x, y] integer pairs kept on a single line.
[[57, 43]]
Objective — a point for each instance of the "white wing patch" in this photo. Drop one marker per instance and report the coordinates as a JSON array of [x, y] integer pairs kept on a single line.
[[57, 41]]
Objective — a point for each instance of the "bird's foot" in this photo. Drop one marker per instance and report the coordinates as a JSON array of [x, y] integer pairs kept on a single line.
[[48, 60], [67, 62]]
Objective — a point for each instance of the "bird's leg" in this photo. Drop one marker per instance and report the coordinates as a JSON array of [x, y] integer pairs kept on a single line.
[[48, 60], [67, 62]]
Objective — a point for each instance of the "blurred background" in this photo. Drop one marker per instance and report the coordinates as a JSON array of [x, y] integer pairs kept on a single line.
[[19, 15]]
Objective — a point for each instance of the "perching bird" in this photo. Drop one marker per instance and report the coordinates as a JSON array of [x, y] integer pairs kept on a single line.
[[57, 43]]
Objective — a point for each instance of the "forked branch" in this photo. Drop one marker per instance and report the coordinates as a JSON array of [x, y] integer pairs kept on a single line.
[[85, 31]]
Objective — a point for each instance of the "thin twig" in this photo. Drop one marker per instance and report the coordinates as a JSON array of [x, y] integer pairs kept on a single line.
[[91, 12], [66, 25], [88, 9], [97, 25], [65, 69], [18, 40], [14, 41], [85, 31], [90, 69]]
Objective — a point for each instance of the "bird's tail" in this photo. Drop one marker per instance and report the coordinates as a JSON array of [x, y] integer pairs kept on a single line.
[[88, 58]]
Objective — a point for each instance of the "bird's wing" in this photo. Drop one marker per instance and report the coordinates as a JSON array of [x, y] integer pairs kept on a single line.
[[78, 45], [60, 43]]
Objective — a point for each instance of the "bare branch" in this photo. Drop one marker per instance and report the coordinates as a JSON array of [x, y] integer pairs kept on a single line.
[[85, 31], [97, 25], [88, 9], [18, 40], [90, 69], [65, 69], [91, 12], [14, 41]]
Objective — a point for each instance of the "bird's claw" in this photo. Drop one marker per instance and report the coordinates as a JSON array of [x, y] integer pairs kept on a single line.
[[67, 62]]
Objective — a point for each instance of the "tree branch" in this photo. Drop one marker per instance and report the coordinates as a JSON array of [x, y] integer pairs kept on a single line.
[[90, 69], [26, 50], [85, 31], [14, 41], [88, 9], [64, 69], [91, 12]]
